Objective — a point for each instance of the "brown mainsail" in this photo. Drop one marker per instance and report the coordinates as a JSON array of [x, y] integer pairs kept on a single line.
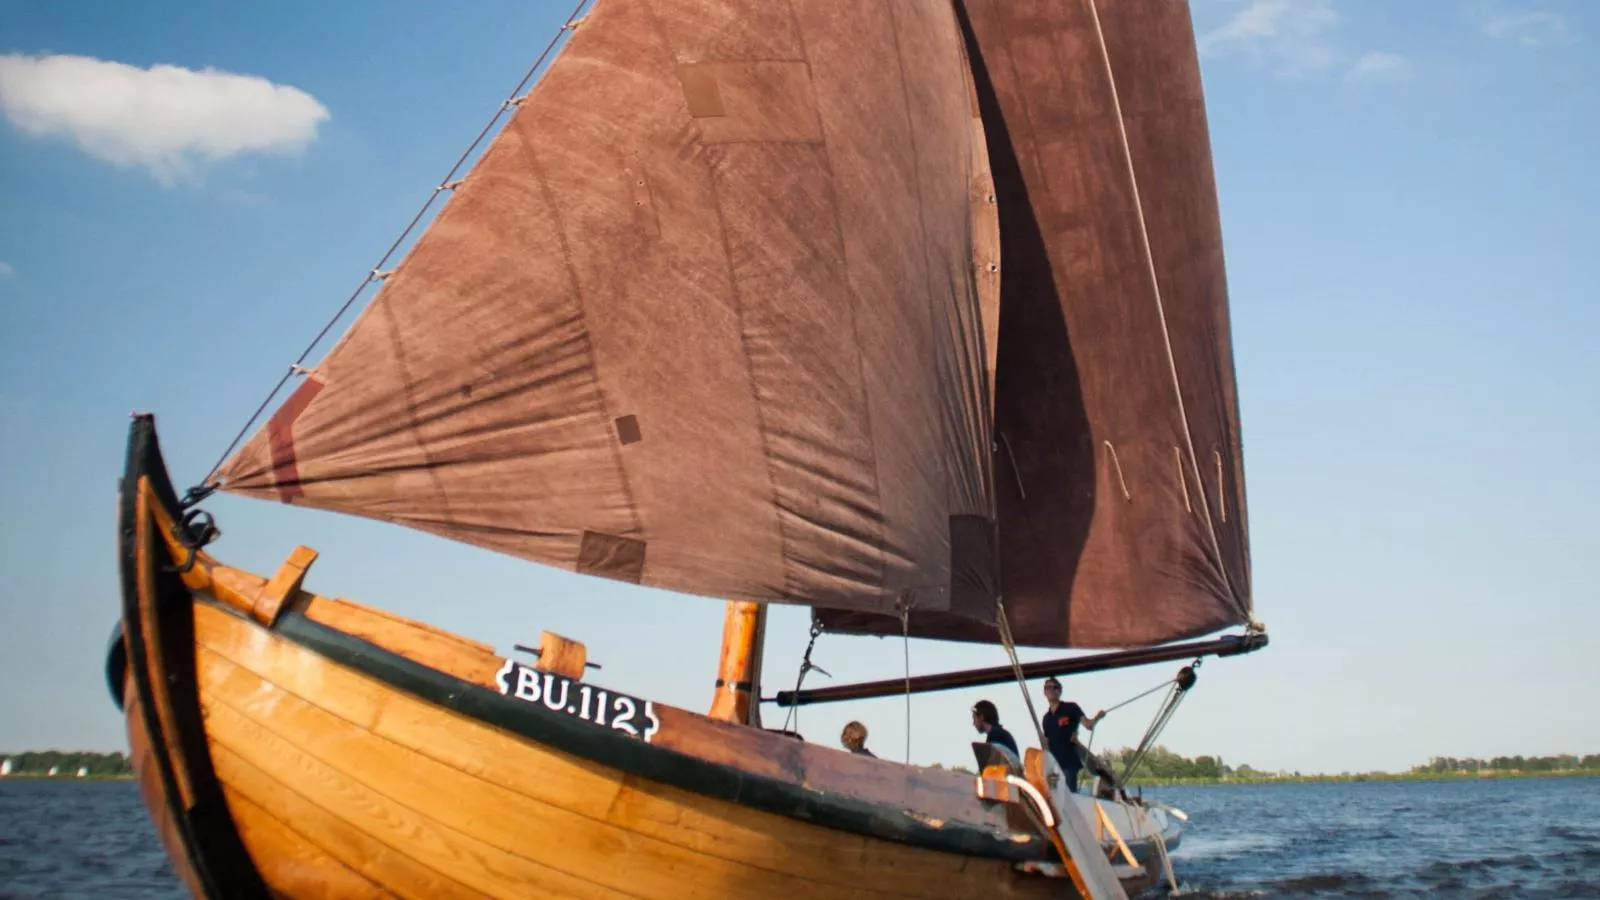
[[1119, 474], [704, 317]]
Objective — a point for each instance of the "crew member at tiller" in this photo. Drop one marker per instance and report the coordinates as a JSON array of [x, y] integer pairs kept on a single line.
[[1060, 721]]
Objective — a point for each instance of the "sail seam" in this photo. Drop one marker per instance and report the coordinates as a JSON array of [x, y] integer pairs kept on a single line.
[[855, 299], [408, 392], [784, 542], [1155, 289], [532, 156], [946, 432], [707, 157]]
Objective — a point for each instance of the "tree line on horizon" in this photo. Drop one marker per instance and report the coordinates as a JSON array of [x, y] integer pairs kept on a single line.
[[1565, 762], [67, 763], [1161, 764]]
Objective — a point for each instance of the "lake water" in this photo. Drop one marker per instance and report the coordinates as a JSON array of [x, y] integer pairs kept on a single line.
[[1530, 838]]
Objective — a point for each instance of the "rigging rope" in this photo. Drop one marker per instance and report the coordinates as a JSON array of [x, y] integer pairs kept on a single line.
[[202, 490], [1155, 290], [1111, 709], [1016, 667], [806, 665], [1180, 688], [905, 631]]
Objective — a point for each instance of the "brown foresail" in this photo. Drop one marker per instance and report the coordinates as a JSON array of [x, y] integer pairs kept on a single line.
[[1118, 472], [703, 317]]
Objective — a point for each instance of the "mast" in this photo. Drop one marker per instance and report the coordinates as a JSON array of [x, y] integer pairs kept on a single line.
[[744, 629]]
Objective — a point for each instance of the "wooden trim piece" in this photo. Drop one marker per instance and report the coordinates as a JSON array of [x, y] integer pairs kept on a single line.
[[160, 703], [284, 584], [561, 655], [458, 657], [1105, 820], [1033, 771]]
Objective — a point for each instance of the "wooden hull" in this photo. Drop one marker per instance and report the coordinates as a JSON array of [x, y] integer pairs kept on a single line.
[[292, 745]]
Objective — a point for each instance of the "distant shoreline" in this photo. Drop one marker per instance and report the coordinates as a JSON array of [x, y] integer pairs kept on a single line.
[[40, 776], [1366, 776], [1136, 783]]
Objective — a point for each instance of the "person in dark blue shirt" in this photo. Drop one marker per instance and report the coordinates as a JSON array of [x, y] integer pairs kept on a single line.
[[986, 719], [1060, 722]]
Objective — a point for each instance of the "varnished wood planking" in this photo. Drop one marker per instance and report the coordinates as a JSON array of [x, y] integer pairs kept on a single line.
[[786, 847], [582, 847], [392, 869], [934, 793], [292, 865], [445, 850]]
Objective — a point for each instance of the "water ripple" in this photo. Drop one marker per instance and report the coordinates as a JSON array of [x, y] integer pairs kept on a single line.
[[1533, 838]]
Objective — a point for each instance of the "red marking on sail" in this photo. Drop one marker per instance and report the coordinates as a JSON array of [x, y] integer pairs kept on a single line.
[[285, 474]]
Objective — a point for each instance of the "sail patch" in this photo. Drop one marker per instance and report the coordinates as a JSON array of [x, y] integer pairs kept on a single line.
[[628, 430], [612, 557], [280, 441]]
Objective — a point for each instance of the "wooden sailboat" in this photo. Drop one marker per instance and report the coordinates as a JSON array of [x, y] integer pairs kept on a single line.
[[912, 312]]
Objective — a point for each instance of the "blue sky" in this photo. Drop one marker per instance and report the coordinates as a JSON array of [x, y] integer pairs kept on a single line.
[[1410, 214]]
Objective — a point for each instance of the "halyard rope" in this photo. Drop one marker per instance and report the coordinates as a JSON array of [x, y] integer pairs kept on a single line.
[[376, 273]]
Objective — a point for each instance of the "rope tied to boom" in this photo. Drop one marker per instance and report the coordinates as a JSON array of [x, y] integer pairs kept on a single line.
[[1178, 688]]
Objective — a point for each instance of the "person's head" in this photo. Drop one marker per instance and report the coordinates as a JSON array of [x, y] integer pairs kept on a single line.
[[984, 715], [1052, 689], [854, 736]]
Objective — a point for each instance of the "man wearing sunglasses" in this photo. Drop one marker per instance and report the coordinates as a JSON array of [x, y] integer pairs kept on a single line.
[[1061, 721]]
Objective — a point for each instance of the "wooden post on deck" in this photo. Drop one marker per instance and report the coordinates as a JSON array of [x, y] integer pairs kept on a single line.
[[744, 628]]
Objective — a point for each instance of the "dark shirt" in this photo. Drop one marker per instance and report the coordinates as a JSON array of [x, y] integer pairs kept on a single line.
[[998, 735], [1060, 731], [863, 751]]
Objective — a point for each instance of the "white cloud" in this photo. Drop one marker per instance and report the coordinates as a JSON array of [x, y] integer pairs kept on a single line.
[[1530, 28], [1378, 65], [1293, 34], [164, 118], [5, 269]]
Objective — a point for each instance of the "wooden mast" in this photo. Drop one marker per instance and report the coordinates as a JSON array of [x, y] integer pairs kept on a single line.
[[744, 628]]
